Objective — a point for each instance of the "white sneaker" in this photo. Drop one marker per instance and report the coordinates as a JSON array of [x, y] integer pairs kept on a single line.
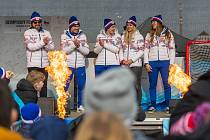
[[81, 108]]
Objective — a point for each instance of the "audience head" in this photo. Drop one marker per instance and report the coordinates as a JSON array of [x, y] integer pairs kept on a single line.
[[113, 91], [103, 126], [36, 78]]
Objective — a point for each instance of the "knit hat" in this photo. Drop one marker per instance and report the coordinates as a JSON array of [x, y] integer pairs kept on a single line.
[[157, 18], [2, 72], [108, 23], [35, 16], [113, 91], [132, 20], [30, 113], [73, 21]]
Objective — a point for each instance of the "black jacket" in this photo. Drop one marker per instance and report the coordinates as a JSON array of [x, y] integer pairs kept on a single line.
[[198, 93], [26, 92]]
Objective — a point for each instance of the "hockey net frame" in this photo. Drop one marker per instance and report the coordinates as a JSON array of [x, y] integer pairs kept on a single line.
[[188, 44]]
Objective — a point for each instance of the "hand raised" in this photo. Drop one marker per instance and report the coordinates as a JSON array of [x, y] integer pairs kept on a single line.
[[46, 40], [101, 42], [76, 43]]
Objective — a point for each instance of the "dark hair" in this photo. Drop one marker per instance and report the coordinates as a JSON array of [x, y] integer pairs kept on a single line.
[[6, 104]]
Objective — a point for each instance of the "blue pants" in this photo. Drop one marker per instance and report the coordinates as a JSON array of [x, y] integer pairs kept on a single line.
[[162, 67], [99, 69], [80, 80]]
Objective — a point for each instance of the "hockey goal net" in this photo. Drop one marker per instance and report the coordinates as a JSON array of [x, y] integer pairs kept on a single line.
[[197, 58]]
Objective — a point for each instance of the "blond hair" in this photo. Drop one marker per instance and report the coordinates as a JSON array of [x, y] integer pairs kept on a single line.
[[103, 126], [35, 76], [128, 36]]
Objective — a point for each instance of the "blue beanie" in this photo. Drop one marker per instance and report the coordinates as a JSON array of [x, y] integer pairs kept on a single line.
[[73, 21], [30, 113], [35, 16], [132, 20], [2, 72], [157, 18], [108, 23]]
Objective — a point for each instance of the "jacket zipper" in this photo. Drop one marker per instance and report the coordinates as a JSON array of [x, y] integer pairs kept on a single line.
[[157, 46], [31, 57], [41, 50]]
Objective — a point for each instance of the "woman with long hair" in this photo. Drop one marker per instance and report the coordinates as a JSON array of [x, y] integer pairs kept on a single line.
[[103, 126], [133, 50], [159, 54]]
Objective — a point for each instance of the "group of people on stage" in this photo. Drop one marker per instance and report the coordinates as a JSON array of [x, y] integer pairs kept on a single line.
[[111, 92], [113, 50]]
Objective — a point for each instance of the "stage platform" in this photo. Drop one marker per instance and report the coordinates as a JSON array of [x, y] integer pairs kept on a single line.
[[152, 126]]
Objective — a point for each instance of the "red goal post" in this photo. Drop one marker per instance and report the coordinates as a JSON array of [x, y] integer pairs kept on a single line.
[[188, 45]]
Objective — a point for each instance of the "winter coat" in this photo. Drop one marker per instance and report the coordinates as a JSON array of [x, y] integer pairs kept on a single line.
[[36, 50], [26, 92], [160, 49], [109, 54], [25, 130], [134, 50], [49, 128], [75, 56]]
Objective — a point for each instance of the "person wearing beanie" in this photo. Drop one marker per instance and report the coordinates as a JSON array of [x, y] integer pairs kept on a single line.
[[114, 91], [191, 121], [114, 87], [159, 54], [133, 50], [30, 113], [108, 45], [38, 42], [74, 44]]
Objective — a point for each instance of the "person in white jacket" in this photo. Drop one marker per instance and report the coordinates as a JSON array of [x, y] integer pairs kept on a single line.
[[74, 43], [108, 44], [38, 42], [133, 50], [159, 54]]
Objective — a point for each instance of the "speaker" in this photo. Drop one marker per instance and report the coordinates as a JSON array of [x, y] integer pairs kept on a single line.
[[172, 104], [47, 105]]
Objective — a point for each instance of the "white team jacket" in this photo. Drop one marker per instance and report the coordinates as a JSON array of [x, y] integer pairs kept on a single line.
[[160, 48], [36, 50], [134, 50], [109, 54], [75, 56]]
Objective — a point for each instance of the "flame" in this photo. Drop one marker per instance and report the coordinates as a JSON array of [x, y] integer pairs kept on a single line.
[[59, 72], [179, 79]]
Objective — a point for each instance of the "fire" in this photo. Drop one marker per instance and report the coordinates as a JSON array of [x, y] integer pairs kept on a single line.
[[179, 79], [59, 72]]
